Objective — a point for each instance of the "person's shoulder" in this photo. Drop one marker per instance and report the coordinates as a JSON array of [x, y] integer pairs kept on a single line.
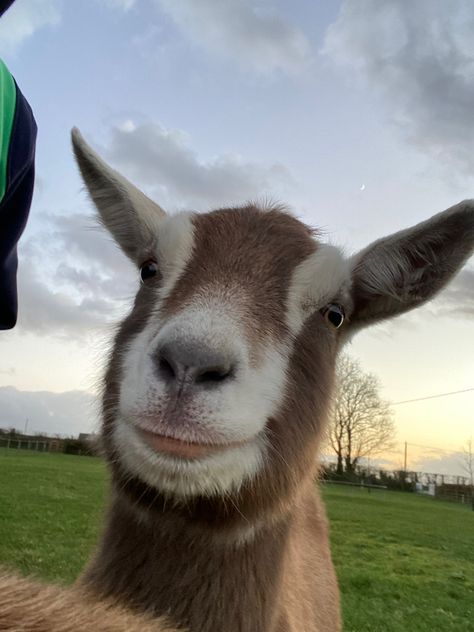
[[4, 5]]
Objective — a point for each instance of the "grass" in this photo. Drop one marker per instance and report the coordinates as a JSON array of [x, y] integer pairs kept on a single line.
[[405, 562], [51, 507]]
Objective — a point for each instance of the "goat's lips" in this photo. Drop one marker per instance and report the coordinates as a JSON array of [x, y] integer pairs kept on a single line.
[[176, 447]]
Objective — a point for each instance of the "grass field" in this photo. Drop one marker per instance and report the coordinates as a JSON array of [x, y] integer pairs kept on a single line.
[[405, 563]]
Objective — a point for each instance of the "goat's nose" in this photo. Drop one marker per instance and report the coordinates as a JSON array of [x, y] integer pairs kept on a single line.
[[180, 362]]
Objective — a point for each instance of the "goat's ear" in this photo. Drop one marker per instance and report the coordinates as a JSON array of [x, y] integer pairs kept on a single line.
[[400, 272], [125, 211]]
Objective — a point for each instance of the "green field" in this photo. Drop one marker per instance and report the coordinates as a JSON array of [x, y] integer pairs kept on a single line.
[[405, 563]]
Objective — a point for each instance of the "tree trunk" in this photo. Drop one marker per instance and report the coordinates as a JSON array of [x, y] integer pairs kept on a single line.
[[349, 464]]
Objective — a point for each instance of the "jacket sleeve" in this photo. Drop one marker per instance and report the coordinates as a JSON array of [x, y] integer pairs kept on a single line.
[[17, 155]]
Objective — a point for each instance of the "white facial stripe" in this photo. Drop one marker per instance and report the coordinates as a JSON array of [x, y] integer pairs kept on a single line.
[[182, 478], [175, 248], [211, 320], [315, 282]]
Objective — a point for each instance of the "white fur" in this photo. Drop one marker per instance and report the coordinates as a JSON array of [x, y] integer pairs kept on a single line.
[[237, 411], [217, 474], [319, 279], [174, 248]]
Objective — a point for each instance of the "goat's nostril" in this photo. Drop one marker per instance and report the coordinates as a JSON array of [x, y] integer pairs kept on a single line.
[[166, 368], [213, 374], [181, 364]]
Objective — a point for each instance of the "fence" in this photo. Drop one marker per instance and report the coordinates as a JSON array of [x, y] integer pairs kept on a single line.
[[360, 484], [38, 445], [83, 445], [456, 493], [441, 486]]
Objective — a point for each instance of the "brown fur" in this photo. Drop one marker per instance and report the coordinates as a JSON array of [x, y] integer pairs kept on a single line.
[[257, 560], [249, 255], [28, 606]]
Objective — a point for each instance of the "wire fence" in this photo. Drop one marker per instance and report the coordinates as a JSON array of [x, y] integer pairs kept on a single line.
[[449, 487], [42, 443], [37, 445]]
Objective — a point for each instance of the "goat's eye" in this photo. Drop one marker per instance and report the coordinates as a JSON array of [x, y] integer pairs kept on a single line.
[[334, 314], [148, 270]]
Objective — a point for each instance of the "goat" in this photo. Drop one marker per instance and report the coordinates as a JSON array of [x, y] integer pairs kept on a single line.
[[216, 398]]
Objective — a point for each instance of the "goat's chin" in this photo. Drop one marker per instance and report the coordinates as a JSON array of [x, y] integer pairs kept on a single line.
[[203, 472]]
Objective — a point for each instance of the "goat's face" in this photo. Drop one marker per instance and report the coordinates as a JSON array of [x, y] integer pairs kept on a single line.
[[221, 376], [206, 367]]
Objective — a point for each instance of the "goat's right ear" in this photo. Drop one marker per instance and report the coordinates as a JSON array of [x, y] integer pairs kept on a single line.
[[125, 211], [402, 271]]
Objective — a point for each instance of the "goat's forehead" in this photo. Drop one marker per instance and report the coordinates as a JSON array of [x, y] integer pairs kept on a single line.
[[245, 237], [254, 227], [265, 267], [246, 248]]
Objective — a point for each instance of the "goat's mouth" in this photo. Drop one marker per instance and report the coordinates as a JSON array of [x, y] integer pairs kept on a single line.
[[184, 449]]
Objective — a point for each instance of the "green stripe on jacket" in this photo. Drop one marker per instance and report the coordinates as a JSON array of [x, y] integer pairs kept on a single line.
[[7, 114]]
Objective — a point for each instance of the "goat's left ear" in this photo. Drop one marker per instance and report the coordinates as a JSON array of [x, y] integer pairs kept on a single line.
[[130, 216], [400, 272]]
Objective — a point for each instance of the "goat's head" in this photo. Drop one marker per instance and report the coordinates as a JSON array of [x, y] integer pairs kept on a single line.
[[220, 377]]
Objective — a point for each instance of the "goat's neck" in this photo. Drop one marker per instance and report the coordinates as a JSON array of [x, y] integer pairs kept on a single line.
[[202, 581]]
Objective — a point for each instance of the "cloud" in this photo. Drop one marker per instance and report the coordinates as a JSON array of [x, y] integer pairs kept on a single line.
[[65, 413], [458, 298], [46, 311], [420, 58], [23, 19], [72, 279], [8, 371], [441, 462], [164, 161], [123, 5], [253, 34]]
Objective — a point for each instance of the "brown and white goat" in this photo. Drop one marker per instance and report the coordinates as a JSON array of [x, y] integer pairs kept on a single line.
[[217, 395]]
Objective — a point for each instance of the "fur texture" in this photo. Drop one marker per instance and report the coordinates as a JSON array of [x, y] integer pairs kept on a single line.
[[28, 606]]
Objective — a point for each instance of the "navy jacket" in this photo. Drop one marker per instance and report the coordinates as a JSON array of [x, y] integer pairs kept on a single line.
[[19, 168]]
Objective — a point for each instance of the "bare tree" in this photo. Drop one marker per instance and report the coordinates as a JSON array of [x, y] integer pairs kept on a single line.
[[362, 423], [468, 466], [468, 460]]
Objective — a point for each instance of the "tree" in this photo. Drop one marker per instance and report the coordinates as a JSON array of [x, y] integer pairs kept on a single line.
[[362, 423], [468, 460], [468, 466]]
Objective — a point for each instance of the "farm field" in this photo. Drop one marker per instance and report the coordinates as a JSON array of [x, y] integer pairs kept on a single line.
[[405, 563]]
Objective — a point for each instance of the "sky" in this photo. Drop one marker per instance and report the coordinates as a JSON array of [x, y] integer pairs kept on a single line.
[[357, 113]]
